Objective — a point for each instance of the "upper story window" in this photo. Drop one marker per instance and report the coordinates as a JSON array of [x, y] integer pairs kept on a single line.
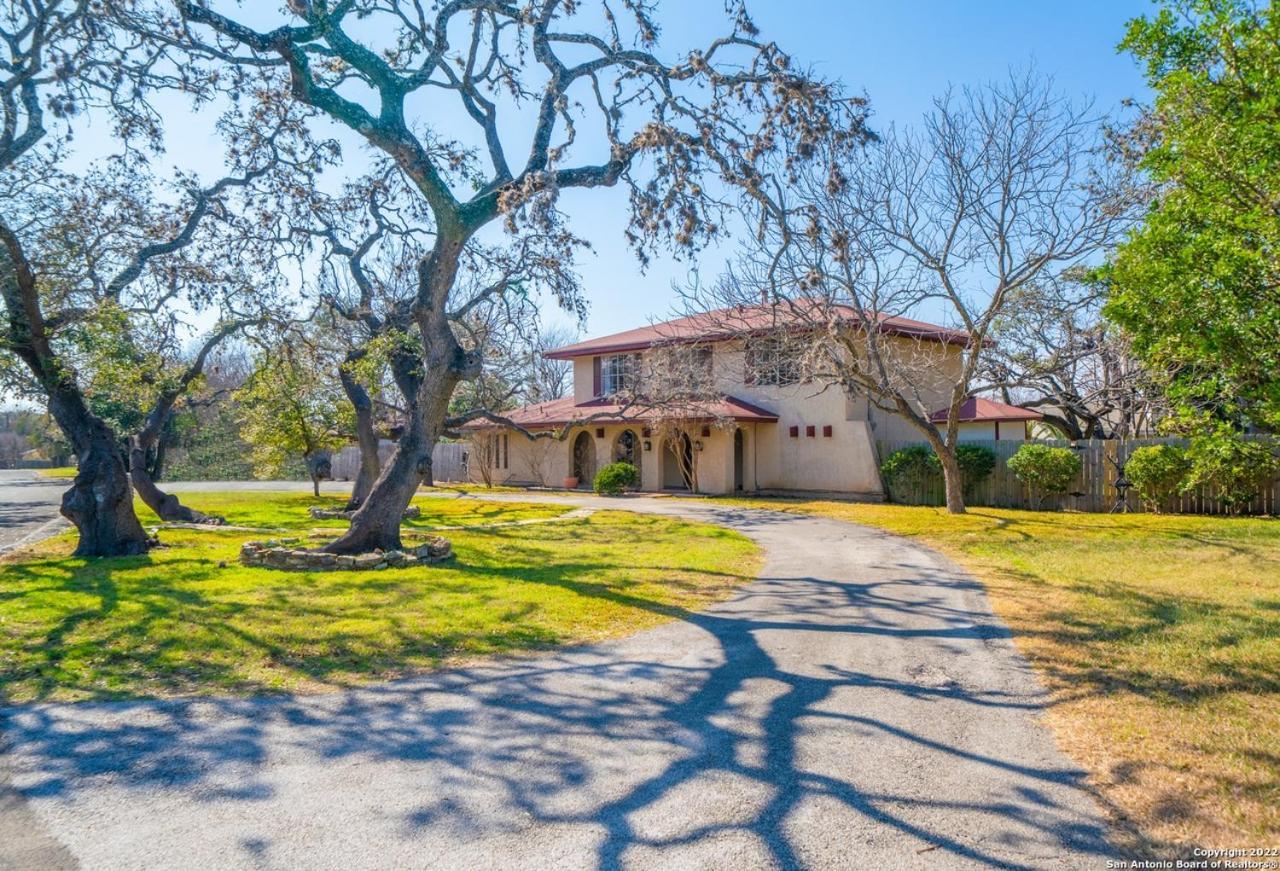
[[618, 374], [698, 363], [773, 361], [678, 370]]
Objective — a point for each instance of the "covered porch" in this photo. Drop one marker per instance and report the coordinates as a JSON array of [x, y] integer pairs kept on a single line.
[[706, 458], [715, 455]]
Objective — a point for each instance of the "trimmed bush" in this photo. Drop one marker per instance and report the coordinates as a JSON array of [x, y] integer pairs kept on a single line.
[[616, 477], [1046, 471], [1233, 466], [908, 468], [917, 466], [1157, 472], [976, 465]]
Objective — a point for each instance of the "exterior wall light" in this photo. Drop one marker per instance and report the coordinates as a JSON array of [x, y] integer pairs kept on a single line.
[[697, 446], [648, 445]]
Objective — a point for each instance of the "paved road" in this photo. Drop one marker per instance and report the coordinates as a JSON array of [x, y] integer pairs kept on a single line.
[[28, 507], [857, 706]]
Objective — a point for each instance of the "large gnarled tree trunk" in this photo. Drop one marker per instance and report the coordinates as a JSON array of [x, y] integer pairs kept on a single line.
[[100, 501], [944, 447], [376, 524], [427, 383], [366, 439]]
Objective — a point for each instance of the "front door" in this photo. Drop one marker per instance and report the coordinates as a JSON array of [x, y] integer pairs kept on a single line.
[[584, 459], [673, 469], [626, 449]]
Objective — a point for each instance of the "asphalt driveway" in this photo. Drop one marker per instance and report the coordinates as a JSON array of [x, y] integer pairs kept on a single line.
[[857, 706], [28, 507]]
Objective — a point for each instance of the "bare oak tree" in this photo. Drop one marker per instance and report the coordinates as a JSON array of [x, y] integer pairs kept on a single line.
[[998, 187], [57, 62], [373, 243], [1054, 352], [572, 78], [546, 378], [62, 264]]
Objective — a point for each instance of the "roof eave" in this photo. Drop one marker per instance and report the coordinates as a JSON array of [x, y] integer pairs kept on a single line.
[[571, 352]]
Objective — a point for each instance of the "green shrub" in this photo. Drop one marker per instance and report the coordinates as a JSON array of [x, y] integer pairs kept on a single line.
[[1234, 467], [976, 465], [1046, 471], [1156, 473], [909, 468], [917, 466], [616, 477]]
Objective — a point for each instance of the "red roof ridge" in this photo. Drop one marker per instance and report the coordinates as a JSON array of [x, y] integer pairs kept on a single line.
[[540, 415], [979, 408], [754, 319]]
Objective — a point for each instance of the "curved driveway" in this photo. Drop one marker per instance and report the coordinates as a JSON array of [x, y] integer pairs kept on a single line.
[[856, 706]]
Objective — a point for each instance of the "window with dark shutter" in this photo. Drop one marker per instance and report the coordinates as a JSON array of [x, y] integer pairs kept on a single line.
[[618, 373]]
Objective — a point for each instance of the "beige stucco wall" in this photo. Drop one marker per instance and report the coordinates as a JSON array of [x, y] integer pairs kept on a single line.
[[583, 380], [548, 462], [985, 431], [845, 461]]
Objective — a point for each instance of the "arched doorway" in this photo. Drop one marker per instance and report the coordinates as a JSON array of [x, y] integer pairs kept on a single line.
[[673, 470], [626, 449], [584, 459]]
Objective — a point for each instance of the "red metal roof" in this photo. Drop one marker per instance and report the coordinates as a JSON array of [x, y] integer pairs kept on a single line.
[[727, 323], [559, 412], [976, 409]]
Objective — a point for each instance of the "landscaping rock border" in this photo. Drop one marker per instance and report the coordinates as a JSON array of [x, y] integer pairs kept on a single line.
[[413, 512], [288, 555]]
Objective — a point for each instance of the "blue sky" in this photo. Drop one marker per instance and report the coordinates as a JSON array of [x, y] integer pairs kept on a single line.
[[899, 54]]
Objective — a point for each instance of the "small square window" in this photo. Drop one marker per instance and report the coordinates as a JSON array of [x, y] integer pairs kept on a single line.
[[795, 432], [809, 431], [826, 432]]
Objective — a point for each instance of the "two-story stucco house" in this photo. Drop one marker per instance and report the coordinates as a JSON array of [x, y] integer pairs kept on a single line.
[[762, 428]]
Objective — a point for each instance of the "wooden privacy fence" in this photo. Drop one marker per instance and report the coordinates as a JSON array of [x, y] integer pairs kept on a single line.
[[446, 461], [1092, 490]]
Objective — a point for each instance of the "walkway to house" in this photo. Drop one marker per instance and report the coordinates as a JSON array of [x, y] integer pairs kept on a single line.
[[857, 706]]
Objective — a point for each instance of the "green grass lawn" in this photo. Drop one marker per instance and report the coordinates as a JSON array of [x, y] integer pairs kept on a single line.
[[57, 472], [1159, 637], [477, 489], [288, 510], [177, 621]]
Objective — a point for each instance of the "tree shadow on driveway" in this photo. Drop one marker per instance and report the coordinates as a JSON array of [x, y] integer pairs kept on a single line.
[[812, 721]]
